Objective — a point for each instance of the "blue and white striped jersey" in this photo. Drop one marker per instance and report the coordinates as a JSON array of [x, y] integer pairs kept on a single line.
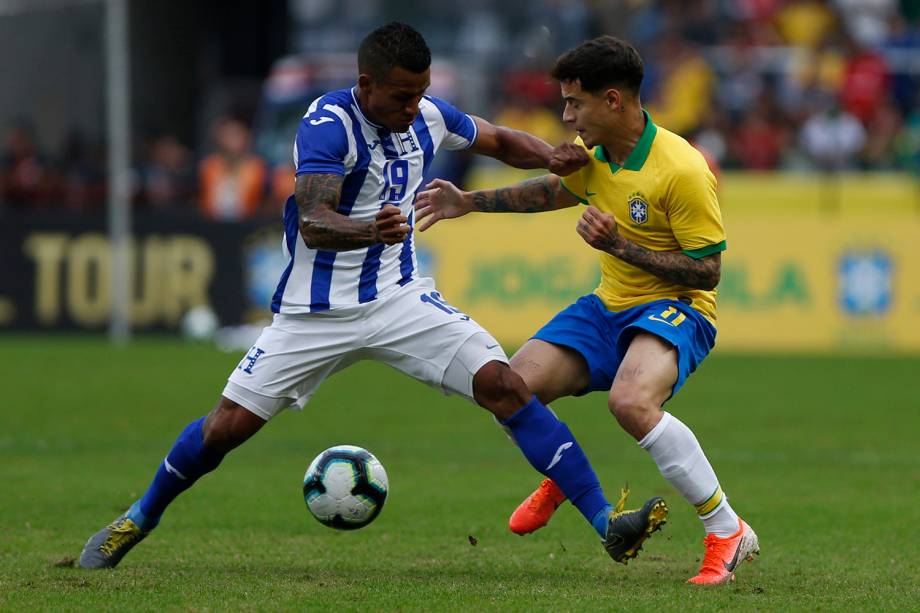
[[380, 167]]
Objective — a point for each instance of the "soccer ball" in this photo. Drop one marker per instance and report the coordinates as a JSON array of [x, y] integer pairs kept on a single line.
[[345, 487]]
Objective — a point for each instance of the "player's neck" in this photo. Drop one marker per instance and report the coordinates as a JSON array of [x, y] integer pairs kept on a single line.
[[625, 136], [361, 97]]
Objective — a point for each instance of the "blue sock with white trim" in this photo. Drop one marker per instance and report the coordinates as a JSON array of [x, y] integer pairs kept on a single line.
[[186, 462], [551, 448]]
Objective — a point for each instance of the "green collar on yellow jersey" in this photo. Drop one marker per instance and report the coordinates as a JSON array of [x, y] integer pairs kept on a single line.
[[639, 154]]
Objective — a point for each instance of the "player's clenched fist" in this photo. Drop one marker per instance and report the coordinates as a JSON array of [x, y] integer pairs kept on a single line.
[[567, 158], [390, 225], [598, 229]]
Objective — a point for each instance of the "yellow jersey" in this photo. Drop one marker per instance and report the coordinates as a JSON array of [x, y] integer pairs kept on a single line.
[[663, 197]]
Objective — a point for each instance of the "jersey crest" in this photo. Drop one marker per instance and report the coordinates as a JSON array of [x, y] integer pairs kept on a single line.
[[638, 208]]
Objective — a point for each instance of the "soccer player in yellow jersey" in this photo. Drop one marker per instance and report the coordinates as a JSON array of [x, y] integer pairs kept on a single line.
[[652, 213]]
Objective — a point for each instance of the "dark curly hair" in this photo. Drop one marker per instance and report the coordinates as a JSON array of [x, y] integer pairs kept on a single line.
[[391, 45], [600, 63]]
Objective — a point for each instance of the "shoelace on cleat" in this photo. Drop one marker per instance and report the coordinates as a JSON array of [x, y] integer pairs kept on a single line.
[[624, 495], [121, 534], [542, 494], [713, 559]]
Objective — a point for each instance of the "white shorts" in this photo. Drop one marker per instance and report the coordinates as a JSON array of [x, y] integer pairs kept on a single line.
[[413, 329]]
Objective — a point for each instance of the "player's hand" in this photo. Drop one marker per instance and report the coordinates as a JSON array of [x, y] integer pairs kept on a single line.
[[390, 225], [440, 200], [599, 229], [567, 158]]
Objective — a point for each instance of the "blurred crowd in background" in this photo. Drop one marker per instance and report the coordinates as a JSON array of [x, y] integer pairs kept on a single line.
[[759, 85]]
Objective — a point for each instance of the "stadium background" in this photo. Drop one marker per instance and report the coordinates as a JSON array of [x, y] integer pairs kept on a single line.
[[810, 111]]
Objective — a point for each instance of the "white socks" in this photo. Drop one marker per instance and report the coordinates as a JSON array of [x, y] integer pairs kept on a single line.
[[682, 462]]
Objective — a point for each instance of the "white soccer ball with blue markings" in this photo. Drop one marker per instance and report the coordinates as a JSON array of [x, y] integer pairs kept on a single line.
[[345, 487]]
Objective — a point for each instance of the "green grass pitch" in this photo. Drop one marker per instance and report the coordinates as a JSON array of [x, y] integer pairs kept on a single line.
[[820, 455]]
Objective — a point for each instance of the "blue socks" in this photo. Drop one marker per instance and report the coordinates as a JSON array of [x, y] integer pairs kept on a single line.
[[601, 520], [551, 448], [185, 463], [546, 442]]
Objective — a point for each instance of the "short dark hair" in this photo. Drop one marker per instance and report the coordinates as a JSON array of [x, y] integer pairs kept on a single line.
[[391, 45], [599, 63]]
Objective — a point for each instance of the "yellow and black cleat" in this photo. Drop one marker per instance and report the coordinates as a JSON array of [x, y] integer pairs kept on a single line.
[[628, 530]]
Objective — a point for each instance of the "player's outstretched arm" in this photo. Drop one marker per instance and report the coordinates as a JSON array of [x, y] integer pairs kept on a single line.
[[321, 227], [599, 230], [444, 200], [523, 150]]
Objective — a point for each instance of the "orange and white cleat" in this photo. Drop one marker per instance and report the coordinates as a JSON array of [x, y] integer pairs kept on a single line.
[[537, 509], [724, 554]]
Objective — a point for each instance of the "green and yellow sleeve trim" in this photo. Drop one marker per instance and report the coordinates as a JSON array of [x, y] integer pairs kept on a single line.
[[574, 195], [704, 251]]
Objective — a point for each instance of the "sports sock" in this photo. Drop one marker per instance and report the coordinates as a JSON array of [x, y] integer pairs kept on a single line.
[[185, 463], [551, 448], [602, 520], [682, 462], [137, 516]]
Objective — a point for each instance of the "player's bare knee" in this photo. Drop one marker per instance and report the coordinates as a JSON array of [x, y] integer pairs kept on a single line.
[[636, 413], [499, 389]]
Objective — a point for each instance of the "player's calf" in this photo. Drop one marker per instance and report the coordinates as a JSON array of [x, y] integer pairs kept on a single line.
[[198, 450], [552, 449], [228, 426]]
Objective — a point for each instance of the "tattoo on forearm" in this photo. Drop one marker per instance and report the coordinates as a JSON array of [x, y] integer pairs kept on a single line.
[[531, 196], [317, 197], [672, 266]]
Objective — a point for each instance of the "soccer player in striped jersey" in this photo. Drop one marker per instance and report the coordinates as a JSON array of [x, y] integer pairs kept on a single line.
[[352, 290], [652, 213]]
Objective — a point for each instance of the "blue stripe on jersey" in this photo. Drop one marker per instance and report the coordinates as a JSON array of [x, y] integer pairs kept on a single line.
[[406, 268], [367, 286], [323, 264], [290, 235], [405, 256], [424, 137], [457, 122], [355, 179], [370, 268], [386, 141]]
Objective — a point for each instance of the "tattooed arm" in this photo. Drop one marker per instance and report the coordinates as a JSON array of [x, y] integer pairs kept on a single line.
[[443, 200], [673, 266], [600, 231], [317, 196]]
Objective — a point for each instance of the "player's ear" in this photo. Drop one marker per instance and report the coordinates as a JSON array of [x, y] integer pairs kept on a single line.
[[364, 82], [613, 99]]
